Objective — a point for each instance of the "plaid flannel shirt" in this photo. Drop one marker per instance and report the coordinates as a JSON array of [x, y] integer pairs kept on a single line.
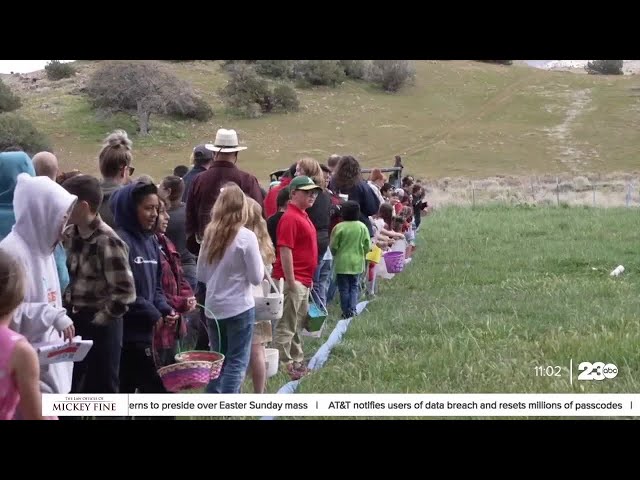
[[99, 269]]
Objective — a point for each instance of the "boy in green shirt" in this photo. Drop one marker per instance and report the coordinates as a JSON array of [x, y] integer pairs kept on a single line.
[[350, 242]]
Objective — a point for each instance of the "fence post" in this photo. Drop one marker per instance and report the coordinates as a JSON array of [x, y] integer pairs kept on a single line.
[[473, 194], [558, 191], [628, 195], [533, 193]]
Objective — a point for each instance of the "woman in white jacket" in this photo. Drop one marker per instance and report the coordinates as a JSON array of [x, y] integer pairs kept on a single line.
[[41, 208], [230, 263]]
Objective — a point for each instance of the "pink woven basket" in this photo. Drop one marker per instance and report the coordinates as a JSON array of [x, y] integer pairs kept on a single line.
[[216, 359], [184, 376], [394, 261]]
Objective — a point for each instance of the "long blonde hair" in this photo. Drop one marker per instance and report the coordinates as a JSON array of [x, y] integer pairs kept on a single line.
[[228, 215], [257, 224]]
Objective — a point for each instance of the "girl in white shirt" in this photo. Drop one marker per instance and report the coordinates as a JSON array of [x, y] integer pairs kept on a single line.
[[230, 263]]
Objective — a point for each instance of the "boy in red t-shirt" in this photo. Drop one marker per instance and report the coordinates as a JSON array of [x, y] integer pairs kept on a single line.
[[296, 262]]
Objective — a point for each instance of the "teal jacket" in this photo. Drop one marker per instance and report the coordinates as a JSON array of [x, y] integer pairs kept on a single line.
[[12, 164]]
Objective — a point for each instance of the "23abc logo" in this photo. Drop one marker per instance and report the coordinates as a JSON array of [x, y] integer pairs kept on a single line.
[[597, 371]]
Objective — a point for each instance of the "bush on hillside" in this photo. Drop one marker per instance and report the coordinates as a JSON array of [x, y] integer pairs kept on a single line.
[[355, 69], [144, 88], [250, 95], [57, 70], [391, 75], [16, 131], [285, 99], [605, 67], [244, 89], [188, 105], [9, 101], [275, 68], [319, 72]]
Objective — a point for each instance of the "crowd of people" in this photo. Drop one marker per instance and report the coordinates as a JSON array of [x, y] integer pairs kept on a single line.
[[137, 267]]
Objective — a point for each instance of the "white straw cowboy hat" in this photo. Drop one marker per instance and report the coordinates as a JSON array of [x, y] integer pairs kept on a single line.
[[226, 142]]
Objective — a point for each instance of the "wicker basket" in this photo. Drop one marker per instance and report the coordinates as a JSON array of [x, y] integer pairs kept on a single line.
[[215, 358], [190, 375], [194, 368]]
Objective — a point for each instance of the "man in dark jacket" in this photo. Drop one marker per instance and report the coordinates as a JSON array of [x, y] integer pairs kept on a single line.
[[135, 211], [206, 187]]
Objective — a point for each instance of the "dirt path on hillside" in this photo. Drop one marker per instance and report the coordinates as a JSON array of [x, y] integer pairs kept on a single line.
[[447, 130], [569, 152]]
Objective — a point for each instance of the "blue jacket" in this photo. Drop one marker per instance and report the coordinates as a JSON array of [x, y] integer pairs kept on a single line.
[[144, 259]]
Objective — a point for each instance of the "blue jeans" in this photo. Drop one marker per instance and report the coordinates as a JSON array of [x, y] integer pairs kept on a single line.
[[322, 279], [236, 333], [348, 288]]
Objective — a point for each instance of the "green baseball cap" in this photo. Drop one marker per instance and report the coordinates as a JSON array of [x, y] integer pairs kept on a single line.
[[303, 183]]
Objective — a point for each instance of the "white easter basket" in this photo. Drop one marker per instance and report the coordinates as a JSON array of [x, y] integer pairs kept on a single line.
[[269, 306]]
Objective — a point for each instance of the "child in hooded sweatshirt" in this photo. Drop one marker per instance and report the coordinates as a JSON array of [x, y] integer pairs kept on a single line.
[[42, 208], [135, 211], [11, 165], [19, 368]]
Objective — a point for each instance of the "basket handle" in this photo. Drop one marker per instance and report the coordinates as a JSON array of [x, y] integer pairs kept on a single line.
[[206, 329], [272, 283], [317, 300]]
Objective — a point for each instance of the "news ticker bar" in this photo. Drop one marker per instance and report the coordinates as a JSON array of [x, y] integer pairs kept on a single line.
[[344, 405]]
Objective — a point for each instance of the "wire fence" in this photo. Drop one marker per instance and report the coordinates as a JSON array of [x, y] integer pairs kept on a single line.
[[603, 194]]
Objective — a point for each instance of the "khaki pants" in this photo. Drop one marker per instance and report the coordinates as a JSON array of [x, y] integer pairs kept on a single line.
[[287, 338]]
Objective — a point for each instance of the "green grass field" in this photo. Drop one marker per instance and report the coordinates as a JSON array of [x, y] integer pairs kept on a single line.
[[492, 293], [459, 119]]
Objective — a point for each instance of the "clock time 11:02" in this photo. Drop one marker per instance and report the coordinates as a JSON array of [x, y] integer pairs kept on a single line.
[[548, 371]]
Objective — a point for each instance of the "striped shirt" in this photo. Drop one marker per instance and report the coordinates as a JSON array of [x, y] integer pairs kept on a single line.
[[101, 278]]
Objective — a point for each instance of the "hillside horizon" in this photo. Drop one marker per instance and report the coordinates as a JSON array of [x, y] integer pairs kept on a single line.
[[459, 119]]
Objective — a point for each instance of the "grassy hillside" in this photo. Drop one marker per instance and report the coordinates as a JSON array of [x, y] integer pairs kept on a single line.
[[459, 119]]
